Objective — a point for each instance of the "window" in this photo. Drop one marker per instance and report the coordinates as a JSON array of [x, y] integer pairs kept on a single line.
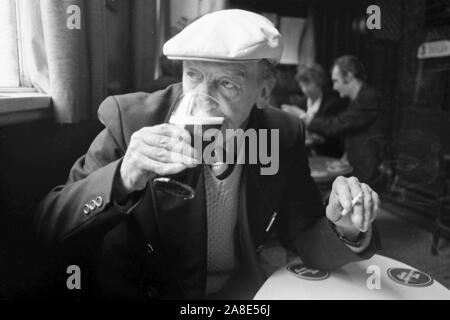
[[9, 54], [12, 75], [16, 91]]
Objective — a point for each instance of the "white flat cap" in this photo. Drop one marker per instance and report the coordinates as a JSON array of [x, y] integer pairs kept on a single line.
[[227, 36]]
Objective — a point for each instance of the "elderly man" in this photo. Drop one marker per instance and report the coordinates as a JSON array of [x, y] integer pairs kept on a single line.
[[149, 244]]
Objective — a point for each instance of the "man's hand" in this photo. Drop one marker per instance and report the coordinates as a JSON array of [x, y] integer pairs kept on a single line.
[[296, 111], [306, 118], [350, 221], [163, 149]]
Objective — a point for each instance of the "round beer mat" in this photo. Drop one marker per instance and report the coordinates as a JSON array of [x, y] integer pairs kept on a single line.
[[409, 277], [301, 271]]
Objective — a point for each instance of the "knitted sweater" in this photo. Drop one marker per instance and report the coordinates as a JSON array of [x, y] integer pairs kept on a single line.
[[222, 199]]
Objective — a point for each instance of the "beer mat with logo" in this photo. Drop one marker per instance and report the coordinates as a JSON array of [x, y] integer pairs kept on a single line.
[[410, 277], [301, 271]]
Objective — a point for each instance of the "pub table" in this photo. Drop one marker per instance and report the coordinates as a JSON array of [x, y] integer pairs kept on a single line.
[[378, 278], [325, 169]]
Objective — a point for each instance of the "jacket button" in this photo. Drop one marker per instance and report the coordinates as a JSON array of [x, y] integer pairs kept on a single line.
[[152, 292], [92, 205], [86, 209], [99, 201]]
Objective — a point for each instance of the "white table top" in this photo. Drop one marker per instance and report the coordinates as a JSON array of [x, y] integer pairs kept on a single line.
[[352, 282]]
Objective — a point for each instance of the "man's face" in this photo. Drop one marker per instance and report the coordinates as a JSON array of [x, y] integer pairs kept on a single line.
[[234, 85], [339, 83]]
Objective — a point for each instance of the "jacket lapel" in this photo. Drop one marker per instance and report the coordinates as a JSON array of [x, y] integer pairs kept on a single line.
[[261, 190], [248, 255]]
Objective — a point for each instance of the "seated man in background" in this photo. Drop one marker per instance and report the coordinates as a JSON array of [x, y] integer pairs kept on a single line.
[[319, 102], [361, 123], [144, 243]]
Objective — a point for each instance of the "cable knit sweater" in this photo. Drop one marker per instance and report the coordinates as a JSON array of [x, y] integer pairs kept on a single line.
[[222, 199]]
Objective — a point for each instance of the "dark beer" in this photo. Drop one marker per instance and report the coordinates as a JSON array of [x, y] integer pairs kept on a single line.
[[197, 126], [184, 183]]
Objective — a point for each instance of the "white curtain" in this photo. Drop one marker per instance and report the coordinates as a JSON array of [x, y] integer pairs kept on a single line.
[[34, 58], [69, 64]]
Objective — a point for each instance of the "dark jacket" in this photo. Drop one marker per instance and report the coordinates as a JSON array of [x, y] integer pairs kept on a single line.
[[158, 248], [330, 106], [365, 138]]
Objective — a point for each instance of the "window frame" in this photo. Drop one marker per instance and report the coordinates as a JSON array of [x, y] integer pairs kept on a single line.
[[23, 103]]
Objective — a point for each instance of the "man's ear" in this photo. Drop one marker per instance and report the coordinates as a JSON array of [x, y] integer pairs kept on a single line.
[[263, 99], [349, 77]]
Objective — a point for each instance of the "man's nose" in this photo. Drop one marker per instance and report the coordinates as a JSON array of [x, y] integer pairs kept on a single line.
[[206, 87]]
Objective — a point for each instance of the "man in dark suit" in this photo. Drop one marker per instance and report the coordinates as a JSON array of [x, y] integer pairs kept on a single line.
[[145, 243], [361, 123]]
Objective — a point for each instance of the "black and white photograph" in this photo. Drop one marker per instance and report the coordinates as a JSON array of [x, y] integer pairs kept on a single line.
[[224, 154]]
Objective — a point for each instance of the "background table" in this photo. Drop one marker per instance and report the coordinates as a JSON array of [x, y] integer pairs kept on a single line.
[[347, 283], [321, 174], [312, 139], [319, 164]]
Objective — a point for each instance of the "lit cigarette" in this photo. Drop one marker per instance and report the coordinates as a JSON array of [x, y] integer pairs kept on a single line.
[[271, 221], [354, 202]]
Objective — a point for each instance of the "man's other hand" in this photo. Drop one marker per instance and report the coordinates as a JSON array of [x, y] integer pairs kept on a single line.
[[296, 111], [350, 219]]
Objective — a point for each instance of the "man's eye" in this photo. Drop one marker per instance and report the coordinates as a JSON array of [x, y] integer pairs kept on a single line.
[[193, 75], [228, 85]]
